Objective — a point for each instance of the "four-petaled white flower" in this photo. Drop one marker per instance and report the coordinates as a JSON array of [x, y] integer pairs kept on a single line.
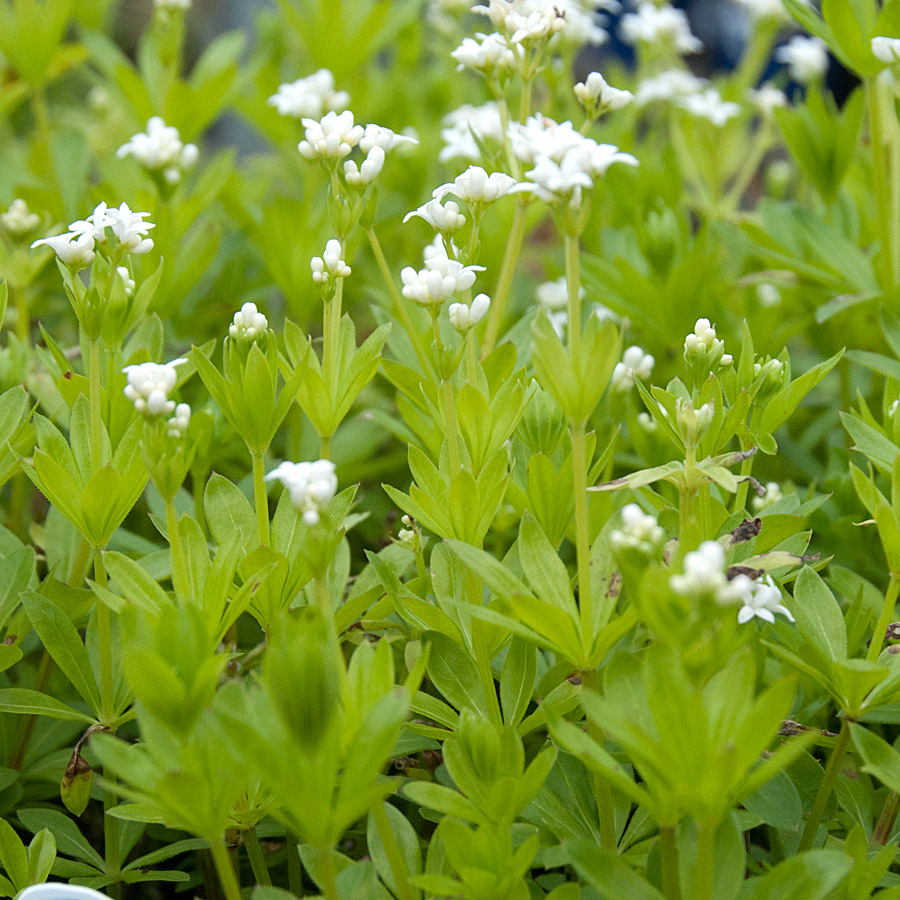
[[663, 24], [310, 485], [248, 323], [73, 249], [635, 364], [463, 317], [149, 386], [463, 125], [443, 218], [806, 57], [160, 149], [476, 186], [762, 600], [332, 137], [379, 136], [309, 97], [441, 278], [484, 53], [597, 96]]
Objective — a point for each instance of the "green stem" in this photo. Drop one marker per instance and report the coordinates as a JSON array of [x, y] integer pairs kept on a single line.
[[884, 619], [23, 320], [325, 446], [573, 282], [668, 860], [111, 832], [96, 406], [887, 819], [706, 861], [227, 875], [400, 309], [255, 855], [582, 532], [323, 597], [104, 640], [471, 358], [826, 787], [449, 403], [392, 851], [603, 793], [329, 876], [260, 496], [176, 552], [881, 185], [504, 282]]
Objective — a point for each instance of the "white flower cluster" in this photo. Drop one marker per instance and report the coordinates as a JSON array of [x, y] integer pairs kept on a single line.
[[805, 56], [767, 98], [703, 340], [485, 53], [441, 278], [463, 125], [526, 21], [886, 50], [772, 495], [445, 219], [376, 142], [667, 86], [765, 9], [704, 575], [310, 485], [328, 267], [564, 160], [149, 386], [709, 105], [663, 24], [598, 97], [635, 364], [248, 323], [332, 137], [309, 97], [177, 426], [160, 149], [475, 185], [639, 532], [75, 248], [18, 220], [463, 317], [407, 534]]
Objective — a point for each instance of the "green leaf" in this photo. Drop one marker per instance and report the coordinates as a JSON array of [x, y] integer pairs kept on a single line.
[[610, 874], [407, 842], [819, 616], [517, 680], [783, 404], [24, 701], [69, 839], [543, 568], [229, 512], [811, 876], [455, 674]]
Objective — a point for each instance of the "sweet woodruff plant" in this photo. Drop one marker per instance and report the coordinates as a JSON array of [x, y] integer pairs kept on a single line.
[[454, 506]]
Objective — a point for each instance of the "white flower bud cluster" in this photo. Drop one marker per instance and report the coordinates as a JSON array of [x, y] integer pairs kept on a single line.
[[160, 149], [635, 364], [149, 386], [709, 105], [310, 485], [639, 532], [704, 576], [485, 53], [769, 374], [693, 423], [248, 324], [441, 278], [805, 56], [662, 24], [408, 533], [127, 280], [886, 50], [76, 248], [327, 268], [446, 219], [702, 342], [463, 317], [18, 220], [463, 125], [598, 97], [367, 171], [767, 99], [178, 424], [475, 185], [309, 97], [772, 495], [332, 137]]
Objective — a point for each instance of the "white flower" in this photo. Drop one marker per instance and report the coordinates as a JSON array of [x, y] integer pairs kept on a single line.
[[886, 49], [531, 20], [703, 340], [542, 136], [635, 364], [768, 295], [441, 278], [463, 317], [437, 250], [763, 600], [668, 85], [127, 280], [160, 149], [805, 56], [772, 495], [309, 97], [74, 249], [248, 323], [704, 575], [489, 53], [709, 105], [659, 24], [639, 532], [596, 95], [554, 295], [172, 4], [329, 266], [476, 186], [149, 386], [445, 218], [129, 228], [765, 9], [369, 170], [178, 424], [18, 220], [462, 126], [379, 136], [333, 137], [768, 98], [646, 422], [310, 485]]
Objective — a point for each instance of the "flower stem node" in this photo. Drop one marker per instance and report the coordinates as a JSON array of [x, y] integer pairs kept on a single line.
[[311, 485]]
